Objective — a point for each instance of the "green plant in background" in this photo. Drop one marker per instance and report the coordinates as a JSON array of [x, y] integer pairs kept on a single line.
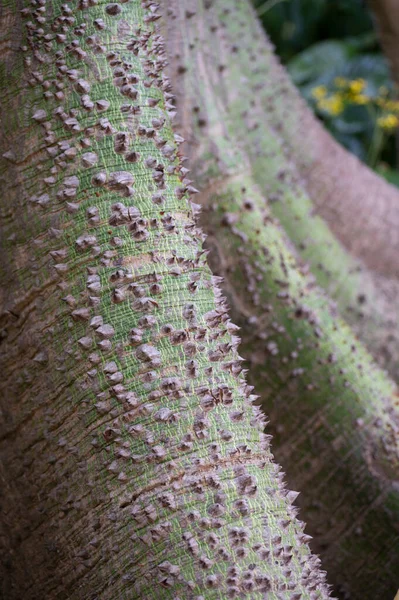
[[332, 104], [333, 56]]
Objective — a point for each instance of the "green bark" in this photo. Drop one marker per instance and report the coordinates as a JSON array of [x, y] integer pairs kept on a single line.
[[133, 459], [334, 413], [305, 176]]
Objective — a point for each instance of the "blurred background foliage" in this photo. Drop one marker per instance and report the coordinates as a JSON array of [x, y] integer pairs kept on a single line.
[[332, 54]]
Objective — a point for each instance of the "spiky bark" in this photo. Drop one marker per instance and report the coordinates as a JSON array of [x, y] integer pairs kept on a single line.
[[134, 462], [327, 202], [335, 414]]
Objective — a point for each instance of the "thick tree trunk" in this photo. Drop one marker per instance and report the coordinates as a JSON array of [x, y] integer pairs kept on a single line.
[[335, 414], [134, 463], [361, 209], [305, 175]]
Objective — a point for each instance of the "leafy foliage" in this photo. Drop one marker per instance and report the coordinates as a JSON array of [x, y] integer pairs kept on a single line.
[[295, 25], [324, 42]]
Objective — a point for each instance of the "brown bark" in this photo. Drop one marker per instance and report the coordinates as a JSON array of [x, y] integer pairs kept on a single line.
[[360, 207], [386, 13], [295, 161]]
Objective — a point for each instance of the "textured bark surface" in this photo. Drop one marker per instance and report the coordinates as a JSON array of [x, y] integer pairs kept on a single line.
[[335, 413], [134, 464], [361, 208], [299, 167]]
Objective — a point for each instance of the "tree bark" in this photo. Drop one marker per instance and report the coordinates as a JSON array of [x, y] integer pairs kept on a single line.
[[284, 141], [361, 208], [387, 17], [386, 14], [327, 399], [133, 460]]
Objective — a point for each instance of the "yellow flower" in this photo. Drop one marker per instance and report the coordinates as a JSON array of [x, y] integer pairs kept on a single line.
[[340, 82], [319, 92], [332, 105], [391, 105], [360, 99], [388, 121], [356, 86]]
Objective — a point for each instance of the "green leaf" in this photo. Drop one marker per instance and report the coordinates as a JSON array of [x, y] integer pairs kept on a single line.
[[320, 58], [350, 127]]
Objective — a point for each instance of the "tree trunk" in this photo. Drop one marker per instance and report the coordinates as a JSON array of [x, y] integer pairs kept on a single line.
[[386, 14], [305, 175], [387, 19], [133, 460], [334, 413]]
